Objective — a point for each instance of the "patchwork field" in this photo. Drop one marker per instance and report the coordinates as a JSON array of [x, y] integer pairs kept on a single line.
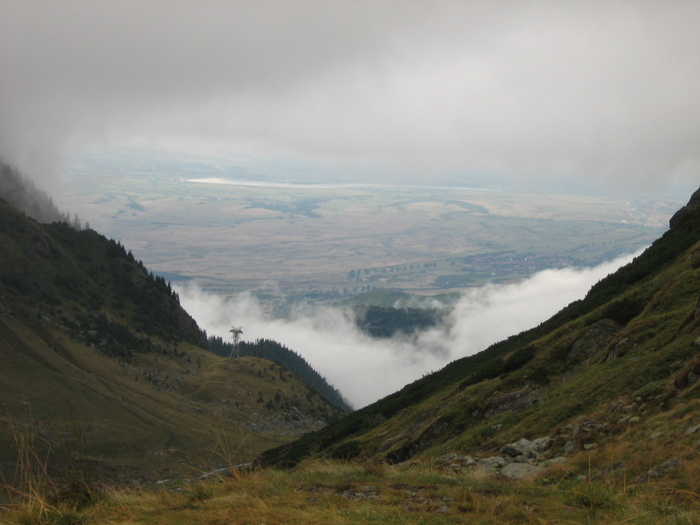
[[217, 223]]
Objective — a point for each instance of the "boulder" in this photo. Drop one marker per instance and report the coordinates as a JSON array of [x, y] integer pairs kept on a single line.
[[542, 444], [455, 462], [492, 464], [520, 470], [692, 430], [554, 461], [522, 447], [529, 449]]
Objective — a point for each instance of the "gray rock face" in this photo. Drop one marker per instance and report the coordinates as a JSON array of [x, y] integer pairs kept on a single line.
[[554, 461], [515, 401], [493, 464], [526, 448], [521, 459], [596, 337], [522, 447], [542, 444]]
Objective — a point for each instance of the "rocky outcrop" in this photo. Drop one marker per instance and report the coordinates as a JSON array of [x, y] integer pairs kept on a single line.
[[526, 448], [594, 339], [518, 460], [658, 471], [515, 401]]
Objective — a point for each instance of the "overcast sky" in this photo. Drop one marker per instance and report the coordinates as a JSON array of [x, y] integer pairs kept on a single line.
[[405, 90]]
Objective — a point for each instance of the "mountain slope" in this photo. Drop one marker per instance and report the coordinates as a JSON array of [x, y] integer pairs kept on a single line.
[[286, 358], [21, 193], [97, 358], [628, 352]]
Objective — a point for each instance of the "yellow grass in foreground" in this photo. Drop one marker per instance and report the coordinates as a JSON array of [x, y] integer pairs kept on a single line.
[[337, 492]]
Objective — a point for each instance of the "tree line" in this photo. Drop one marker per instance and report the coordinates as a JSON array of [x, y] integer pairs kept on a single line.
[[286, 358]]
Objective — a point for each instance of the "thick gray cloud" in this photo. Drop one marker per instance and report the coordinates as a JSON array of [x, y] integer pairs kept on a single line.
[[408, 89]]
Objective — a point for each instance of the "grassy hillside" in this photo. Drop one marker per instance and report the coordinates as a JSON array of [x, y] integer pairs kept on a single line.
[[98, 361], [286, 358]]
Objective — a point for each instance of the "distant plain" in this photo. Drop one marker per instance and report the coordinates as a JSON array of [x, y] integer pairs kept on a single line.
[[284, 240]]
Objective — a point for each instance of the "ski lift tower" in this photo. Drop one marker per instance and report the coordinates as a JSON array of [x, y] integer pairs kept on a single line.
[[236, 334]]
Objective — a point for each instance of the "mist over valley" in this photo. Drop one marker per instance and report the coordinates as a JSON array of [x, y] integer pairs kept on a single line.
[[288, 261]]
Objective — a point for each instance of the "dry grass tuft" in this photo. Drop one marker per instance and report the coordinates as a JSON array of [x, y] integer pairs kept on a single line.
[[320, 491]]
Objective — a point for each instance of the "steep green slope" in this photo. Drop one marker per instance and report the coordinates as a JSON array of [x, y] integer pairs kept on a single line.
[[286, 358], [630, 343], [98, 360]]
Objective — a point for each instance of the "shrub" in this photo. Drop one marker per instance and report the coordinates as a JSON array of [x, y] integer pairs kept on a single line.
[[623, 311]]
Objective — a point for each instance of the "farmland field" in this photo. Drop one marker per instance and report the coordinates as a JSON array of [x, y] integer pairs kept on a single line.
[[234, 230]]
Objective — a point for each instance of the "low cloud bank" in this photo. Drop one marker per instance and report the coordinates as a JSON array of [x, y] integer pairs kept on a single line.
[[366, 369]]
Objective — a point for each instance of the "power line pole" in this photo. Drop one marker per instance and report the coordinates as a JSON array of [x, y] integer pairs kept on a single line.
[[236, 334]]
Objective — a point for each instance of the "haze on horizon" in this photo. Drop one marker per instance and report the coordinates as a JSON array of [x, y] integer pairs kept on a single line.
[[393, 91]]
